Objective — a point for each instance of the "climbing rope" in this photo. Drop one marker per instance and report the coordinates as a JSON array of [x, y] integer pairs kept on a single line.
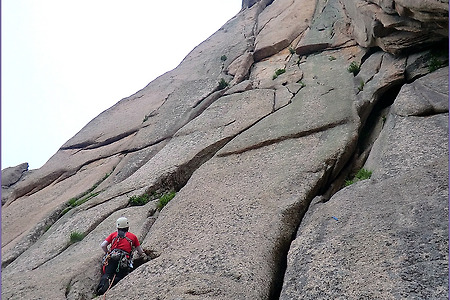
[[110, 284]]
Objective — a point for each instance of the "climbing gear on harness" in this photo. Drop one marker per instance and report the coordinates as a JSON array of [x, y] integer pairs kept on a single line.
[[123, 258]]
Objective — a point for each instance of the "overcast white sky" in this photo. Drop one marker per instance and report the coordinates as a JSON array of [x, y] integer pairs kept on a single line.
[[65, 61]]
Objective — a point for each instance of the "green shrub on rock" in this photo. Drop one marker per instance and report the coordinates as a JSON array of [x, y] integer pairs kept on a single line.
[[222, 84], [76, 236], [139, 200], [361, 175], [278, 73], [354, 68], [165, 199]]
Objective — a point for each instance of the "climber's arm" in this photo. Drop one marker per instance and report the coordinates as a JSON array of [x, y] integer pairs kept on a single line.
[[139, 250], [104, 246]]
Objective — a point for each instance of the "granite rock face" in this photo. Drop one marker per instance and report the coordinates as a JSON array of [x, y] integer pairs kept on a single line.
[[10, 176], [396, 26], [257, 131], [385, 237]]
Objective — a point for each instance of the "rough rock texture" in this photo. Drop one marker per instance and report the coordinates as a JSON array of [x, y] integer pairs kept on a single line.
[[396, 26], [11, 176], [387, 237], [259, 166]]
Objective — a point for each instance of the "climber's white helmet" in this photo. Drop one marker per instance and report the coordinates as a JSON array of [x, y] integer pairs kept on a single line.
[[122, 222]]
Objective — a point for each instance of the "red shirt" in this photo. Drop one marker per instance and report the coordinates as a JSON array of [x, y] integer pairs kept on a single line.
[[122, 243]]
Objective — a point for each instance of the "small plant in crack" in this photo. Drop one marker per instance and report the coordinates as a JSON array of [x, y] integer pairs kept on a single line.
[[361, 85], [362, 174], [348, 182], [278, 72], [68, 288], [331, 58], [291, 50], [354, 68], [165, 199], [73, 202], [301, 83], [434, 64], [76, 236], [223, 58], [139, 200], [47, 228], [86, 196], [222, 84]]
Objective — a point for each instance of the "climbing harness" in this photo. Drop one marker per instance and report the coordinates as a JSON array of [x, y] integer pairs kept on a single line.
[[123, 257], [117, 238]]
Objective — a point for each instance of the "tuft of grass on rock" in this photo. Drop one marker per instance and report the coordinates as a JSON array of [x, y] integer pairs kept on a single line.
[[348, 182], [76, 236], [222, 84], [301, 83], [278, 73], [354, 68], [223, 58], [139, 200], [434, 64], [362, 174], [361, 86], [74, 202], [165, 199]]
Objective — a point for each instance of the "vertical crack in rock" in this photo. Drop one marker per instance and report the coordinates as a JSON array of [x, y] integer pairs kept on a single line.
[[375, 121], [68, 288], [274, 106], [330, 185], [279, 275], [367, 136]]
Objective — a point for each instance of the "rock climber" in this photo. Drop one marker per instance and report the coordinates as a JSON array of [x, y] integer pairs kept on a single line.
[[117, 262]]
